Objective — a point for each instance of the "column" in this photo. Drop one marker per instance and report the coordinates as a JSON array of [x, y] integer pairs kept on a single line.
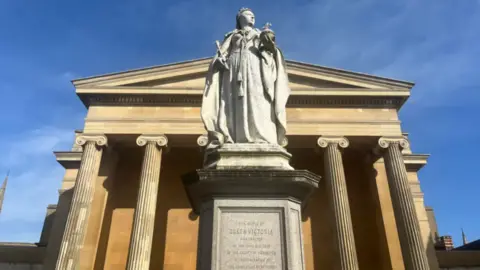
[[338, 198], [413, 251], [144, 220], [76, 227]]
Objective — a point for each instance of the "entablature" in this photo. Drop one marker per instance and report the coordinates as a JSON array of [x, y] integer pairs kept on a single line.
[[316, 97]]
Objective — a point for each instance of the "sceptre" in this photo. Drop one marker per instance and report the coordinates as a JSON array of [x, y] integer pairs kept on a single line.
[[220, 55]]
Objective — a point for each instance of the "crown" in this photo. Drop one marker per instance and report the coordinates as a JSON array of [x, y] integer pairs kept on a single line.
[[243, 9]]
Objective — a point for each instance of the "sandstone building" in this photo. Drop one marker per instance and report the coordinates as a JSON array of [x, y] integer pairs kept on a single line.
[[166, 100]]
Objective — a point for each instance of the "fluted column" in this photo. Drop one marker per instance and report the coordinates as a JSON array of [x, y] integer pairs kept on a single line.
[[338, 199], [144, 220], [413, 251], [75, 229]]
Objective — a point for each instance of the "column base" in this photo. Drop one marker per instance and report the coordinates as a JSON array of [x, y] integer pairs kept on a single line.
[[250, 219]]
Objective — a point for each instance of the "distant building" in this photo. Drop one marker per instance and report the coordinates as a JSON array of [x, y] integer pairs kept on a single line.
[[465, 257]]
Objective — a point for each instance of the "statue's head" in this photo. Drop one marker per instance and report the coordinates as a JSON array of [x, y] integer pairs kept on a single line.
[[245, 17]]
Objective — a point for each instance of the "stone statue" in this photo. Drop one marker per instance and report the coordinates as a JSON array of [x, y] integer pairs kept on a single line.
[[246, 87]]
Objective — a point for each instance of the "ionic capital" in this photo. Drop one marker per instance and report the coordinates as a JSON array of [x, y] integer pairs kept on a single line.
[[385, 142], [324, 141], [202, 140], [284, 142], [98, 139], [160, 140]]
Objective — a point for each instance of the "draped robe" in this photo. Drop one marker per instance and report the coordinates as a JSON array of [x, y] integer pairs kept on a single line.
[[246, 102]]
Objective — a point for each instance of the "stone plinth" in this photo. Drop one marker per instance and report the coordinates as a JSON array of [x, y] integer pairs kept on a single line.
[[250, 218], [249, 155]]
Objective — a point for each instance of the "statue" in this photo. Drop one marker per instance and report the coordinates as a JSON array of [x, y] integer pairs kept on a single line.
[[246, 88]]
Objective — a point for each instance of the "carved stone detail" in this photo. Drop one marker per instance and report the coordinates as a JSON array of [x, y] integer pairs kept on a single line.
[[160, 139], [191, 100], [100, 140], [324, 141], [202, 140], [385, 142], [284, 142]]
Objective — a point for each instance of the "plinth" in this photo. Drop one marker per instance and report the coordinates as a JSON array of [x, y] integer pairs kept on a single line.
[[250, 215]]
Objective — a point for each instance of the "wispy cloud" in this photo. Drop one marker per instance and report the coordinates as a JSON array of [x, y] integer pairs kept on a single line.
[[34, 179], [33, 144]]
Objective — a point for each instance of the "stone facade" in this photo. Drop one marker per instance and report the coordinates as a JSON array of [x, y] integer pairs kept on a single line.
[[116, 211]]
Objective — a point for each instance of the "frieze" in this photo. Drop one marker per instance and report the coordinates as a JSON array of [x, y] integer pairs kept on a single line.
[[196, 100]]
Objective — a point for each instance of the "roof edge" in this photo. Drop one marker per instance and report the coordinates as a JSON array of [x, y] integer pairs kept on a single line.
[[292, 63], [93, 78], [354, 74]]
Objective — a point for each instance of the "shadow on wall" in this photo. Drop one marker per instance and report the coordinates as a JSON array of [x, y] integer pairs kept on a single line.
[[175, 233], [369, 232], [317, 233], [176, 228], [122, 186]]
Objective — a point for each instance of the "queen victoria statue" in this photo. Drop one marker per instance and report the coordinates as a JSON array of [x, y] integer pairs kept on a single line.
[[246, 87]]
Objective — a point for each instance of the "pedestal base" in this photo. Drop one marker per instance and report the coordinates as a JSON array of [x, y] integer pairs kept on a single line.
[[250, 219], [250, 234], [249, 155]]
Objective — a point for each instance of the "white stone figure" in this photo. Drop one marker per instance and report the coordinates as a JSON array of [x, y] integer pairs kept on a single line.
[[246, 87]]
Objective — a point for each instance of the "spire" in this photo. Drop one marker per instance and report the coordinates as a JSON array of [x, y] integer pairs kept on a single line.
[[2, 190], [464, 237]]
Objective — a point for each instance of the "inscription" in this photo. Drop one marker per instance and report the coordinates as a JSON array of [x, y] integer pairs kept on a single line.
[[251, 241]]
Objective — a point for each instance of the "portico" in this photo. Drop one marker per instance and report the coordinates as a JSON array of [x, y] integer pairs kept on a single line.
[[134, 213]]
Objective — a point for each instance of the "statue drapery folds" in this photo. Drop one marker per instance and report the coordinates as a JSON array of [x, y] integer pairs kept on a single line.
[[246, 88]]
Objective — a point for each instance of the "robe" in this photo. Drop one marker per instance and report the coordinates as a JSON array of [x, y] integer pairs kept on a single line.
[[246, 102]]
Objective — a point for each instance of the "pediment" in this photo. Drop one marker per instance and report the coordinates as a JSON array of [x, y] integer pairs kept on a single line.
[[184, 82], [197, 81], [191, 75]]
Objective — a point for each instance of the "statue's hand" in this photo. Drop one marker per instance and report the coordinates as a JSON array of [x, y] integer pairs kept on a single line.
[[267, 39], [221, 62]]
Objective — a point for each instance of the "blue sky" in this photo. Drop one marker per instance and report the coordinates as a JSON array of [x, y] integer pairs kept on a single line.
[[45, 44]]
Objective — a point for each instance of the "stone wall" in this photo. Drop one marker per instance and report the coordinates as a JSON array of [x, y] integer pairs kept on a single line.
[[459, 260], [21, 256], [186, 120], [463, 268]]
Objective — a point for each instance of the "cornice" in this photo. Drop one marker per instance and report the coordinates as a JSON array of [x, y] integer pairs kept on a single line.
[[68, 159], [414, 162], [141, 71], [335, 72]]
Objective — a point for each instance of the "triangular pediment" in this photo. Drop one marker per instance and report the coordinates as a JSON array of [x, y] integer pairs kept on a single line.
[[191, 75]]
